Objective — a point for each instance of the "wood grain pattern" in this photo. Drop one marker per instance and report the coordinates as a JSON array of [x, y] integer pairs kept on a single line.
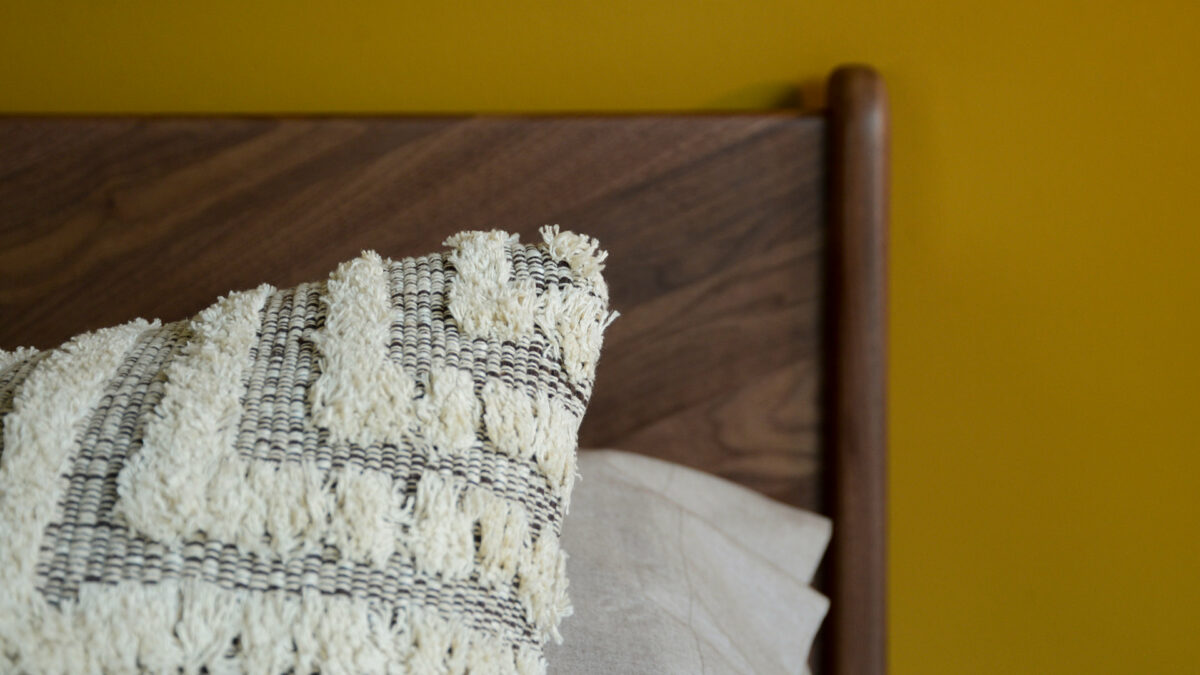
[[747, 256], [713, 224]]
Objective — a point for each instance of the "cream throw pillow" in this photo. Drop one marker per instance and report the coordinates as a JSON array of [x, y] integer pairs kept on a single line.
[[364, 474]]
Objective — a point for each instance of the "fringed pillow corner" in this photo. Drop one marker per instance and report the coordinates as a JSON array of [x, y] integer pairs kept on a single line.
[[362, 474]]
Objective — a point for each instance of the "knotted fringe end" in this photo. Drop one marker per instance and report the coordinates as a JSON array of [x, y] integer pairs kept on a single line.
[[582, 253]]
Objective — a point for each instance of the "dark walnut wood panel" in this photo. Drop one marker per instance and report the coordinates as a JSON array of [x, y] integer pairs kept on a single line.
[[713, 223]]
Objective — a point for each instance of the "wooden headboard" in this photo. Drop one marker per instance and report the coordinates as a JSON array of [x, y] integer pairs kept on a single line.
[[747, 257]]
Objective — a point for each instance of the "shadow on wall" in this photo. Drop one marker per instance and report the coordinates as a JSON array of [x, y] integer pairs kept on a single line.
[[768, 96]]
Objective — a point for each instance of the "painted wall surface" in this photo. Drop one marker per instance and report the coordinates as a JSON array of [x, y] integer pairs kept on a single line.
[[1046, 297]]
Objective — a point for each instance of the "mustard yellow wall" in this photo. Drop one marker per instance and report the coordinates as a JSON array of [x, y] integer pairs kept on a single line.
[[1046, 335]]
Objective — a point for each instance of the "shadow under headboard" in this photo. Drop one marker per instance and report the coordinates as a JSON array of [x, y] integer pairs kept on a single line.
[[747, 257]]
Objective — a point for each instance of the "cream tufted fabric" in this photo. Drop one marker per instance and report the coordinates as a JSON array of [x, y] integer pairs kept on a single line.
[[363, 474]]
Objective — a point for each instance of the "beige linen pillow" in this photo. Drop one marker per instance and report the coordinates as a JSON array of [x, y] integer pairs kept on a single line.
[[677, 571], [364, 474]]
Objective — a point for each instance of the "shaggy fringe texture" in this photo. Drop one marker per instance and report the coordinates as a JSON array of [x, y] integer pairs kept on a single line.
[[448, 515], [164, 489], [581, 252], [189, 481], [18, 354], [48, 413], [449, 412], [539, 428], [484, 300], [585, 258], [575, 322], [362, 396], [190, 626]]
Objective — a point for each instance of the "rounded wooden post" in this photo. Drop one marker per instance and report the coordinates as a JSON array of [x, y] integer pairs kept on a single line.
[[856, 403]]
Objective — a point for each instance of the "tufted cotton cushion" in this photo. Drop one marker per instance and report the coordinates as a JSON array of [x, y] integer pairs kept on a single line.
[[364, 474]]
